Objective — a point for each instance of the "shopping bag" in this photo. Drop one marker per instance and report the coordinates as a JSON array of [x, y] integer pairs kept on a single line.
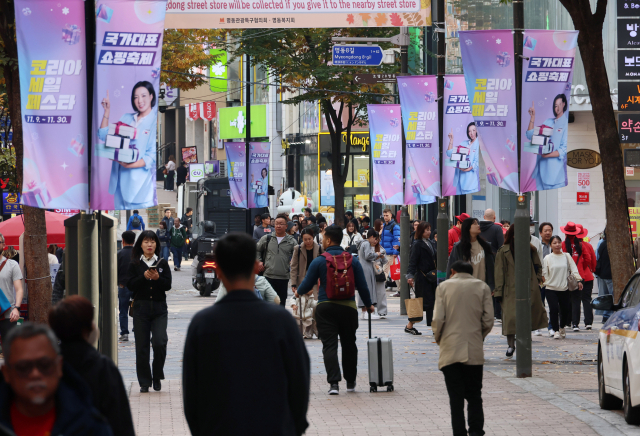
[[414, 309], [394, 270]]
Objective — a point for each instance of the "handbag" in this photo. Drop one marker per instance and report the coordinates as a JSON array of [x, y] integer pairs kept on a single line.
[[431, 276], [572, 282], [414, 309], [380, 276], [394, 271], [165, 171], [131, 309]]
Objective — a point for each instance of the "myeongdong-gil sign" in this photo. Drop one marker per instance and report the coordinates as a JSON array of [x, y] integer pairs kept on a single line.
[[240, 14]]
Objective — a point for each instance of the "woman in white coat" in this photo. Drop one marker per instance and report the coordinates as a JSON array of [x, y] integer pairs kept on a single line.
[[350, 238]]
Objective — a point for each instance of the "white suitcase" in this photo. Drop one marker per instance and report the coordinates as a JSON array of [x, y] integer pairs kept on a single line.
[[380, 362]]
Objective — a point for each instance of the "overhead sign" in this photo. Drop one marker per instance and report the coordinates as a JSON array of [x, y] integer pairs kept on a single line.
[[196, 172], [11, 203], [233, 122], [218, 71], [628, 64], [629, 33], [357, 54], [628, 8], [372, 79], [629, 96], [629, 127], [583, 158]]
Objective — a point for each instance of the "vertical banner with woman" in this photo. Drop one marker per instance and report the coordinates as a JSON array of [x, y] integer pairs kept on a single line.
[[487, 58], [127, 78], [418, 99], [546, 90], [259, 174], [385, 133], [236, 160], [53, 86]]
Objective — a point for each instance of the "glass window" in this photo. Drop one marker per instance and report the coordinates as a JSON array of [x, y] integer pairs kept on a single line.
[[629, 295]]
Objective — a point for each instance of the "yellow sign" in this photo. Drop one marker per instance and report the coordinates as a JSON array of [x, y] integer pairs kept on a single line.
[[363, 178], [634, 222]]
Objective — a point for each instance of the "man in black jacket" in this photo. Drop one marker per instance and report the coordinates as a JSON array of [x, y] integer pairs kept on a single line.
[[124, 295], [261, 366], [491, 232]]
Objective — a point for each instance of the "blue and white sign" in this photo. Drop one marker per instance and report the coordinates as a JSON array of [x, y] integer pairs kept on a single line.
[[357, 54], [196, 172]]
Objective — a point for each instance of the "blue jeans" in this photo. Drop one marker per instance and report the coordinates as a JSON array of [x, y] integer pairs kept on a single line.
[[605, 287], [177, 256], [165, 252], [124, 297]]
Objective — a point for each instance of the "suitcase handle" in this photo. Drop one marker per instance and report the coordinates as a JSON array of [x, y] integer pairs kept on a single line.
[[369, 323]]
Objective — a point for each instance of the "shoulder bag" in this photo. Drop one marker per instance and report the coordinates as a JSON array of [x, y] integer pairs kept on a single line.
[[379, 270], [572, 282]]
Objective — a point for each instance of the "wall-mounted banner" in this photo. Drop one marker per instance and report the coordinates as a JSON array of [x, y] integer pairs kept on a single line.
[[53, 88], [328, 197], [127, 79], [487, 58], [461, 171], [259, 174], [546, 90], [418, 98], [386, 136], [236, 164]]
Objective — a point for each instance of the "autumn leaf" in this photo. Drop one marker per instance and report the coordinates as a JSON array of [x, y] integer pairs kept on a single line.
[[365, 17], [396, 20], [425, 4], [350, 19], [381, 19]]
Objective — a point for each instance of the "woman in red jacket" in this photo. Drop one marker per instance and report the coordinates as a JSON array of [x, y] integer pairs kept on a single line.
[[584, 257]]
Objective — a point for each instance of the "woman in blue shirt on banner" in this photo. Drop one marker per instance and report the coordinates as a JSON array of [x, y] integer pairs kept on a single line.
[[466, 180], [261, 188], [133, 184], [550, 169]]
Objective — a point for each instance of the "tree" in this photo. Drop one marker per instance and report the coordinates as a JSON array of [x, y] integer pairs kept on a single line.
[[301, 58], [591, 48], [35, 227]]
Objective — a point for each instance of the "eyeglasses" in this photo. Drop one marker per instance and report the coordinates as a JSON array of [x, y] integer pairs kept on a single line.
[[45, 365]]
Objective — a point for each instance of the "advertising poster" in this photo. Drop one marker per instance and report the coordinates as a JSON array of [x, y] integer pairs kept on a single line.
[[11, 204], [189, 154], [418, 99], [236, 163], [259, 174], [328, 195], [212, 168], [127, 81], [385, 131], [546, 90], [487, 58], [53, 89]]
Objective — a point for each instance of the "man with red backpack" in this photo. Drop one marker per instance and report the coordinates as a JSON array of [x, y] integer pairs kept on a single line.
[[340, 275]]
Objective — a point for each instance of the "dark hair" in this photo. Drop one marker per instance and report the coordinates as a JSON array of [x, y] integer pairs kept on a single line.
[[349, 213], [322, 225], [355, 227], [310, 218], [236, 255], [469, 125], [51, 249], [264, 169], [545, 224], [284, 216], [137, 248], [509, 239], [555, 237], [71, 318], [460, 266], [334, 233], [576, 241], [295, 215], [167, 210], [564, 100], [388, 210], [356, 224], [149, 87], [163, 224], [28, 330], [307, 231], [307, 209], [135, 212], [371, 233], [424, 225], [189, 209], [321, 220], [465, 239], [258, 215], [505, 222], [265, 216], [129, 237], [366, 219], [318, 216], [377, 225]]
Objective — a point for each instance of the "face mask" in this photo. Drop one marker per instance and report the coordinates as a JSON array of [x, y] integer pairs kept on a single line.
[[532, 230]]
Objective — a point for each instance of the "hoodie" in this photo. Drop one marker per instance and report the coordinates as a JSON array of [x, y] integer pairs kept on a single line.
[[492, 233]]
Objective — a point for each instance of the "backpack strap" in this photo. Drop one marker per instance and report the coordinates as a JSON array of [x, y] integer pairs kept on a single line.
[[264, 250]]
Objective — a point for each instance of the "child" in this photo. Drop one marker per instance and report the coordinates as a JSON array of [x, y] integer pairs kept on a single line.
[[308, 304]]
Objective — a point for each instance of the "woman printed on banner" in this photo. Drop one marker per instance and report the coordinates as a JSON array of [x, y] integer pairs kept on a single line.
[[467, 180], [131, 184], [550, 172], [260, 189]]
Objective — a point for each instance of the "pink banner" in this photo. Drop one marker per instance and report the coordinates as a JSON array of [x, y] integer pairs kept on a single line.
[[385, 132]]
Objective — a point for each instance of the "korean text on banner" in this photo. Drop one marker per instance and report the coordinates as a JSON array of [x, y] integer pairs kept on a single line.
[[328, 195], [546, 90], [487, 58], [386, 136], [236, 163], [53, 86], [125, 109], [418, 101], [259, 173], [461, 171]]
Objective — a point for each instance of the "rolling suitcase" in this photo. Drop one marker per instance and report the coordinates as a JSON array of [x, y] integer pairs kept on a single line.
[[380, 362]]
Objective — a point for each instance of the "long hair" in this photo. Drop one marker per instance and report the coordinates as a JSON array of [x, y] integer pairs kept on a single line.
[[465, 239], [576, 241], [375, 234], [421, 229], [137, 247], [509, 238], [377, 225]]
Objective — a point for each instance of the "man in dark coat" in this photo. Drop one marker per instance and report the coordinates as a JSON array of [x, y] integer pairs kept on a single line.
[[124, 295], [230, 368], [491, 232], [181, 173]]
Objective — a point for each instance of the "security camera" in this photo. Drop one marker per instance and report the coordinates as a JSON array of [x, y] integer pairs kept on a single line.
[[162, 105]]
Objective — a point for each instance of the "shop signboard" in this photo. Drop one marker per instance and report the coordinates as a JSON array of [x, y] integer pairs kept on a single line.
[[583, 198], [196, 172], [629, 33], [233, 122], [629, 127], [629, 96], [11, 203], [628, 8], [628, 64], [357, 54]]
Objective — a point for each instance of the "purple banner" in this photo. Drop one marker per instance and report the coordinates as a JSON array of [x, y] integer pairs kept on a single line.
[[259, 173], [237, 172], [385, 133], [487, 58], [53, 88], [418, 100], [546, 90], [127, 79]]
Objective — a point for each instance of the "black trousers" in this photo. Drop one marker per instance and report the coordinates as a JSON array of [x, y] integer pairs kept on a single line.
[[6, 326], [497, 308], [559, 303], [583, 297], [335, 320], [427, 292], [150, 319], [169, 180], [281, 286], [464, 382]]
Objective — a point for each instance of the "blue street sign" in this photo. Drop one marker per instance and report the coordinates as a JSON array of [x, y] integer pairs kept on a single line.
[[357, 54]]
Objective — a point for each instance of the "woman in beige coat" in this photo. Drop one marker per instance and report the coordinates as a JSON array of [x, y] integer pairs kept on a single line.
[[300, 260], [505, 290]]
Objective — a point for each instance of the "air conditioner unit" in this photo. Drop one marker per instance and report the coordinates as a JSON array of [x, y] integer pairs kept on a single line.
[[223, 168]]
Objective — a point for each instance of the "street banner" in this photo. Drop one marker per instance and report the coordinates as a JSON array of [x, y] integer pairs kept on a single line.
[[236, 162], [487, 59], [53, 89], [259, 174], [328, 195], [385, 133], [461, 170], [125, 109], [419, 104], [546, 90]]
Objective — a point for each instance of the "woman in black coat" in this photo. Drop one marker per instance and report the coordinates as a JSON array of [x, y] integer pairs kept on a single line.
[[149, 280], [422, 261]]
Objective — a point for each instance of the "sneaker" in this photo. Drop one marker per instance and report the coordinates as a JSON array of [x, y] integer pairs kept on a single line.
[[551, 332], [397, 294], [510, 352], [537, 333], [499, 320], [382, 316], [124, 338], [412, 331], [588, 327], [576, 328], [556, 335], [351, 387], [563, 333], [334, 389]]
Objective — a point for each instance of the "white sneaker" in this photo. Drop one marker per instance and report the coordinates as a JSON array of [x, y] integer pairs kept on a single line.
[[537, 333], [563, 333], [556, 335], [551, 332], [375, 316], [364, 315]]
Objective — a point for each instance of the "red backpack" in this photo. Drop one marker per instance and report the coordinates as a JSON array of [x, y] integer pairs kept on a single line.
[[341, 284]]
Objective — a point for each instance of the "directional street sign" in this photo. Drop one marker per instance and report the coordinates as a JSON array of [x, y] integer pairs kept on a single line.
[[357, 54], [371, 79]]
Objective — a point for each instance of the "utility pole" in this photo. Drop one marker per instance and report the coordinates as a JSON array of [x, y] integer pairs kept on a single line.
[[521, 222], [405, 230], [248, 138]]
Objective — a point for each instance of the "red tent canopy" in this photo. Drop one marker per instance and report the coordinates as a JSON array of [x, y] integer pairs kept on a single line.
[[12, 228]]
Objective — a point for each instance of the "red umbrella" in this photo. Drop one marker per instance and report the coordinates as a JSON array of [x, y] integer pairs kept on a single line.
[[12, 228]]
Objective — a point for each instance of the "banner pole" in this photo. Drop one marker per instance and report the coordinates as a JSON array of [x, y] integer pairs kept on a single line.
[[442, 224], [405, 231], [248, 139]]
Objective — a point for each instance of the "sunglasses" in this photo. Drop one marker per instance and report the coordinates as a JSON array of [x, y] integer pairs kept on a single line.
[[45, 365]]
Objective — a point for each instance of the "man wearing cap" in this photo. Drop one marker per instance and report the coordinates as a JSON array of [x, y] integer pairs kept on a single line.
[[454, 232], [264, 229]]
